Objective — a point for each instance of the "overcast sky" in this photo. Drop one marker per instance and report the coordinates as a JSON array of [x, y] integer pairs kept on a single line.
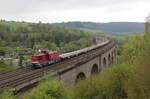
[[74, 10]]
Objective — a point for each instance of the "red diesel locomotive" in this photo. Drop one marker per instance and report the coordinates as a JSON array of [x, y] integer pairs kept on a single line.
[[45, 58]]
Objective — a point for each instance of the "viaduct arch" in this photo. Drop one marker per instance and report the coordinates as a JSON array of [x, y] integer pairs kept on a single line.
[[80, 76], [95, 69]]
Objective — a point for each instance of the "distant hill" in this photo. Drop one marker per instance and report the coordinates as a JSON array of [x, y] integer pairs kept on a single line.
[[117, 27]]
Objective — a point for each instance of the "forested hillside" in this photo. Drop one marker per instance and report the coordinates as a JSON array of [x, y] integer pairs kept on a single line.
[[112, 27], [39, 36]]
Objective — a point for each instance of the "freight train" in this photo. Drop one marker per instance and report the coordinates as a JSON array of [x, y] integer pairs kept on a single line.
[[46, 57]]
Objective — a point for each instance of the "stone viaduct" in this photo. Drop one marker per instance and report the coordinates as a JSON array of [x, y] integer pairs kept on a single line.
[[92, 63]]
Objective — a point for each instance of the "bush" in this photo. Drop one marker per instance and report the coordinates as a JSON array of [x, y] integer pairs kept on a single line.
[[110, 84], [132, 49], [6, 94], [49, 89], [138, 85], [6, 65], [87, 89]]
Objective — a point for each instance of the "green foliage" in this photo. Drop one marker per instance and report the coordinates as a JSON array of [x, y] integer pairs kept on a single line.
[[6, 94], [132, 49], [75, 45], [71, 47], [52, 46], [6, 65], [107, 85], [20, 51], [2, 43], [21, 60], [138, 84], [49, 89], [87, 89], [14, 27], [40, 36]]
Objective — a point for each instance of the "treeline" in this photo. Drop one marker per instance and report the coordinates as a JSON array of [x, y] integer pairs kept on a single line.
[[32, 35]]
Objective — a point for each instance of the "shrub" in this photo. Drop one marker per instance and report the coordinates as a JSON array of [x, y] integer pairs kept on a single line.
[[49, 89], [110, 84], [6, 94], [138, 85]]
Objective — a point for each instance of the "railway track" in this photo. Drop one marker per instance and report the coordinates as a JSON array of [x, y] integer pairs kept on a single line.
[[23, 77], [13, 73]]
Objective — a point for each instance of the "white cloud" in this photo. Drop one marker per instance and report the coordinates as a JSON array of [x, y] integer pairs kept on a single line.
[[74, 10]]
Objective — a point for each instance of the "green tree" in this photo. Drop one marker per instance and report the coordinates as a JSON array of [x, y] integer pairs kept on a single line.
[[71, 47], [138, 84], [52, 46], [49, 89], [21, 60], [2, 43], [132, 49]]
